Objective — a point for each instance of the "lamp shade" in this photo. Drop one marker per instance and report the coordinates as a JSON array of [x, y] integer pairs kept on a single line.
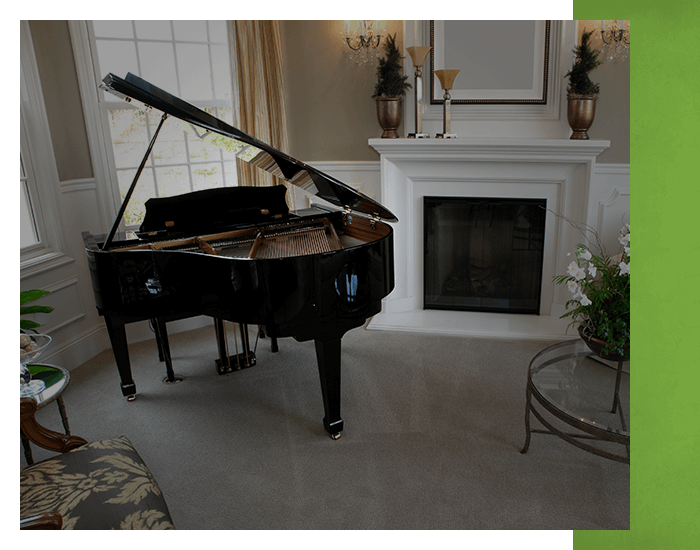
[[418, 54], [446, 77]]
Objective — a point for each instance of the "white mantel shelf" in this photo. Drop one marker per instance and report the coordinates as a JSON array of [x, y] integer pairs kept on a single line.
[[557, 170], [511, 149]]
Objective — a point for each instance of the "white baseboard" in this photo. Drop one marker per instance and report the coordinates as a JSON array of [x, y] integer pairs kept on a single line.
[[94, 341]]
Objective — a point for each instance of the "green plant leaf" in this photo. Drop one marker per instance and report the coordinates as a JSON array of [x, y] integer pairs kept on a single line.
[[26, 324], [31, 295], [24, 310]]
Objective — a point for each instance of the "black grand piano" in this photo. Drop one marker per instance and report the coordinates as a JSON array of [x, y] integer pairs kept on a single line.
[[239, 254]]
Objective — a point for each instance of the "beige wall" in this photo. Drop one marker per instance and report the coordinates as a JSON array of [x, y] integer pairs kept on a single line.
[[59, 84], [331, 114], [612, 118]]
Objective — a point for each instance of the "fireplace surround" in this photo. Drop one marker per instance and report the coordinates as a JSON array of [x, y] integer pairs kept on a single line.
[[559, 171]]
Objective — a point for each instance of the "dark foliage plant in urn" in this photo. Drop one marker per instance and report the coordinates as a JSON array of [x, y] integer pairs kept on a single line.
[[390, 88], [582, 93]]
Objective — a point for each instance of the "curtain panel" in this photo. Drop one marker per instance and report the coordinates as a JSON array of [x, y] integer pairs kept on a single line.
[[258, 78]]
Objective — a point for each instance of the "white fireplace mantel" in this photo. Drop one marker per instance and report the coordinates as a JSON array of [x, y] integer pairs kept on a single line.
[[558, 170], [506, 149]]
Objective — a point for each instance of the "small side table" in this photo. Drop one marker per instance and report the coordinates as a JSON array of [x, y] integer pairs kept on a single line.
[[571, 384], [56, 379]]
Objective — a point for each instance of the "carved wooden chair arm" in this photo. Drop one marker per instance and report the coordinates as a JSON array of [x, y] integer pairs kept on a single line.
[[39, 435], [41, 521]]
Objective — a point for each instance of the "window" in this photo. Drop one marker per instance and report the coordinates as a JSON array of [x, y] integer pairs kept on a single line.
[[29, 238], [189, 59], [29, 232], [41, 242], [31, 219]]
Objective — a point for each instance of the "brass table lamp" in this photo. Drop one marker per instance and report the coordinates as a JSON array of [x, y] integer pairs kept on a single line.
[[447, 78], [418, 54]]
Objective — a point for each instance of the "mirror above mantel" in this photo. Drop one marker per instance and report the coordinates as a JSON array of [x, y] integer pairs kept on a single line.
[[514, 96], [500, 62]]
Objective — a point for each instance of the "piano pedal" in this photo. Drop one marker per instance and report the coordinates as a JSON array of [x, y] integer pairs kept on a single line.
[[236, 362], [228, 363]]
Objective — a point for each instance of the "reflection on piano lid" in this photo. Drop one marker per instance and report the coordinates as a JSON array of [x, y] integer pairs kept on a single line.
[[145, 95]]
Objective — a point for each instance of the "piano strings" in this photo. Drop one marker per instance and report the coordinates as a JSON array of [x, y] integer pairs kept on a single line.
[[281, 241]]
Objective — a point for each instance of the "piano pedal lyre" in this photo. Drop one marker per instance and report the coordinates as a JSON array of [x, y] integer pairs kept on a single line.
[[240, 360]]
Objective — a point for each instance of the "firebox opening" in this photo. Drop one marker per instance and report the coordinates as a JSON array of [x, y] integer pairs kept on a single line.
[[483, 254]]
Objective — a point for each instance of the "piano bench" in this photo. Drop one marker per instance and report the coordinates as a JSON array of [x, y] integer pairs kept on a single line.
[[100, 485]]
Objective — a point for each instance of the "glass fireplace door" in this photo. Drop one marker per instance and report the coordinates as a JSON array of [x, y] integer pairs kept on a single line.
[[483, 254]]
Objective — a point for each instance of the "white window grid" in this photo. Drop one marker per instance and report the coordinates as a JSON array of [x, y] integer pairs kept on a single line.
[[180, 162]]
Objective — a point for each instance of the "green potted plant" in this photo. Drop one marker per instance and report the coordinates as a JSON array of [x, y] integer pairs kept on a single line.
[[391, 86], [600, 305], [582, 92], [27, 296], [31, 343]]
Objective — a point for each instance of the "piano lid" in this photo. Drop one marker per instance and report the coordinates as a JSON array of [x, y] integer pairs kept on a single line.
[[134, 89]]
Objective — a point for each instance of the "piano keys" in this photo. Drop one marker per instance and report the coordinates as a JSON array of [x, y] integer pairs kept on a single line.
[[239, 254]]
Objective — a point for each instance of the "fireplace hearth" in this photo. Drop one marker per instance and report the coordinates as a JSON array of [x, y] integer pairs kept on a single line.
[[483, 254]]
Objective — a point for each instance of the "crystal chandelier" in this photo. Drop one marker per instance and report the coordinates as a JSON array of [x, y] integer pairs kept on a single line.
[[616, 39], [364, 40]]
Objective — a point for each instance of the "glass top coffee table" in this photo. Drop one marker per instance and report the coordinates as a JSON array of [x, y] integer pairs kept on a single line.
[[568, 386]]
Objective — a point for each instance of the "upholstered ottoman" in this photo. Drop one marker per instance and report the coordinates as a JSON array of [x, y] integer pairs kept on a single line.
[[100, 485]]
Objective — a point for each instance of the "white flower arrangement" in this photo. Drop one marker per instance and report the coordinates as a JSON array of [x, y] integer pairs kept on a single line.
[[600, 288]]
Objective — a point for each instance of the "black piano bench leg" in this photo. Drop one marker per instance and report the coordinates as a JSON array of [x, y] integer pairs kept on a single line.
[[328, 357]]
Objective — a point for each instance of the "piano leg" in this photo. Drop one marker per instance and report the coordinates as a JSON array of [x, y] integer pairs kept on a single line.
[[117, 336], [328, 357], [161, 356], [273, 341], [164, 350]]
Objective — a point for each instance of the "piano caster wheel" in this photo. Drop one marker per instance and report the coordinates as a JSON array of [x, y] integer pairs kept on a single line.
[[335, 436], [131, 397], [175, 380]]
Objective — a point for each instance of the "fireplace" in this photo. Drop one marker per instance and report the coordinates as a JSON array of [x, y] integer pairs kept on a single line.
[[559, 171], [483, 254]]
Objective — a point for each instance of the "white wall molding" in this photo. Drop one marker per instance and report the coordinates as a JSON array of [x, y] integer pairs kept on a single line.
[[78, 186]]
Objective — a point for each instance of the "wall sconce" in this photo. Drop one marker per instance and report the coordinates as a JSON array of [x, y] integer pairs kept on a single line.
[[616, 39], [363, 41]]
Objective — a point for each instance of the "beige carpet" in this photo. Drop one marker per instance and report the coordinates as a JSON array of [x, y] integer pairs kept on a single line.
[[434, 426]]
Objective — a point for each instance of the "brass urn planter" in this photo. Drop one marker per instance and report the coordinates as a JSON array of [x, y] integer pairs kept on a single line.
[[389, 115], [580, 114], [582, 93]]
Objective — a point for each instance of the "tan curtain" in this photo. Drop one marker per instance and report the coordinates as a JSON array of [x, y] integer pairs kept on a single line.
[[259, 85]]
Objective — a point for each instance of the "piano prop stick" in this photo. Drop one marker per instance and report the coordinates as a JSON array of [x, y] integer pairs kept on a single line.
[[239, 255]]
